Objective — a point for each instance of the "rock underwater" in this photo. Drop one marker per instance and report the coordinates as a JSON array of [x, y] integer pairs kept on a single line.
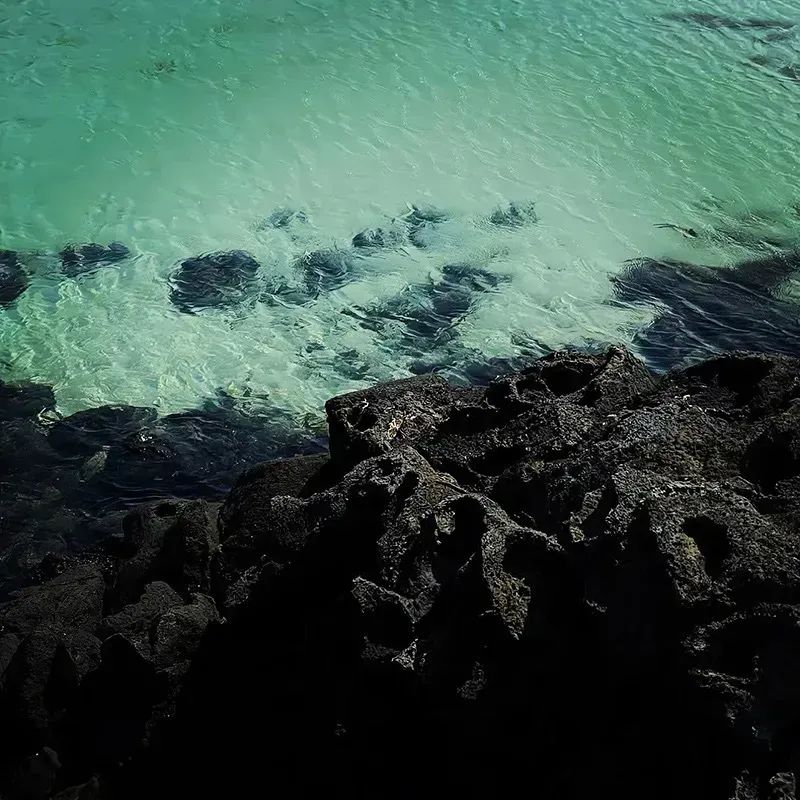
[[581, 579], [214, 280], [81, 259], [714, 309], [66, 482], [13, 278]]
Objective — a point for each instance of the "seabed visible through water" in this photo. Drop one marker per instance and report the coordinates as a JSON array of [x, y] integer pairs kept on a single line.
[[180, 129]]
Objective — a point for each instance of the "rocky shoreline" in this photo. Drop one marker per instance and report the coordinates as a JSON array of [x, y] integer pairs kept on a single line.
[[581, 580]]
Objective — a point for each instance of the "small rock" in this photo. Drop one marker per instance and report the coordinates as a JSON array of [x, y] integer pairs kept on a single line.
[[82, 259]]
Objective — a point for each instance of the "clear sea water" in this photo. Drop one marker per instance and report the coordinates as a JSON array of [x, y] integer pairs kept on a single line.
[[176, 127]]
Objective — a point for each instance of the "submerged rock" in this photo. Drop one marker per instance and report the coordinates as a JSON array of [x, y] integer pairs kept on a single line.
[[216, 280], [718, 21], [102, 462], [13, 278], [81, 259], [370, 238], [417, 215], [326, 270], [285, 217], [85, 432], [422, 222], [704, 310], [427, 313], [514, 215], [24, 400], [378, 239]]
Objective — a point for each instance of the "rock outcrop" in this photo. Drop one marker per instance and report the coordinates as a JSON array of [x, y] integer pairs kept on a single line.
[[577, 581]]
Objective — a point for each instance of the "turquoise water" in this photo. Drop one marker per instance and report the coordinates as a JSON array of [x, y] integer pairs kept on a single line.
[[177, 127]]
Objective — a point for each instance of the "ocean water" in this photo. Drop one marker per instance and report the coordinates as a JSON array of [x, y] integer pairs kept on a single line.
[[178, 127]]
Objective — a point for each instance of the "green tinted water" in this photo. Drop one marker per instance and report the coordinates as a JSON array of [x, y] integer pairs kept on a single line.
[[176, 127]]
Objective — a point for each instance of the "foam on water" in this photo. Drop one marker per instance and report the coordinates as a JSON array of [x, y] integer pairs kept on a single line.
[[177, 127]]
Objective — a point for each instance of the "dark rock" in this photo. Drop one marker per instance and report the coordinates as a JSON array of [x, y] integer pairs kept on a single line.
[[425, 213], [13, 278], [180, 629], [373, 421], [74, 599], [468, 366], [514, 215], [216, 443], [790, 71], [9, 643], [216, 280], [86, 432], [37, 775], [81, 259], [281, 291], [91, 790], [42, 679], [576, 564], [172, 541], [253, 492], [24, 400], [122, 704], [191, 454], [136, 621], [190, 545], [150, 444], [108, 720], [777, 36]]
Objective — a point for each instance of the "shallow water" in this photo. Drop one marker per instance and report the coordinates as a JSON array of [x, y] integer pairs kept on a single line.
[[178, 127]]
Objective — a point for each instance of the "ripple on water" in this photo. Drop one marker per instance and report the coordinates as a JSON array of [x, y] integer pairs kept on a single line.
[[284, 131]]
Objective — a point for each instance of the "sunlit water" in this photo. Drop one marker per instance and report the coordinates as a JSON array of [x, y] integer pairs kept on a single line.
[[176, 127]]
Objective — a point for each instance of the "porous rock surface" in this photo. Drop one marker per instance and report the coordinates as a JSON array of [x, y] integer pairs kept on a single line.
[[580, 581]]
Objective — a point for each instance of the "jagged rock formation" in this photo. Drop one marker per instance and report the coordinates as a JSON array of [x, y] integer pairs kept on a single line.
[[578, 581]]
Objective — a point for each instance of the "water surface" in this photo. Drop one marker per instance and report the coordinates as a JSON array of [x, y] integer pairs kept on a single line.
[[178, 127]]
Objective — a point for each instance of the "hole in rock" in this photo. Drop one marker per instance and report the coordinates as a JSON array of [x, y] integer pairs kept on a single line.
[[566, 378], [711, 539], [772, 458], [362, 419], [166, 510], [496, 460], [741, 376], [459, 528]]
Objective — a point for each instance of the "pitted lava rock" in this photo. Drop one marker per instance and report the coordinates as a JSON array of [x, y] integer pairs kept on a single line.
[[578, 581]]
